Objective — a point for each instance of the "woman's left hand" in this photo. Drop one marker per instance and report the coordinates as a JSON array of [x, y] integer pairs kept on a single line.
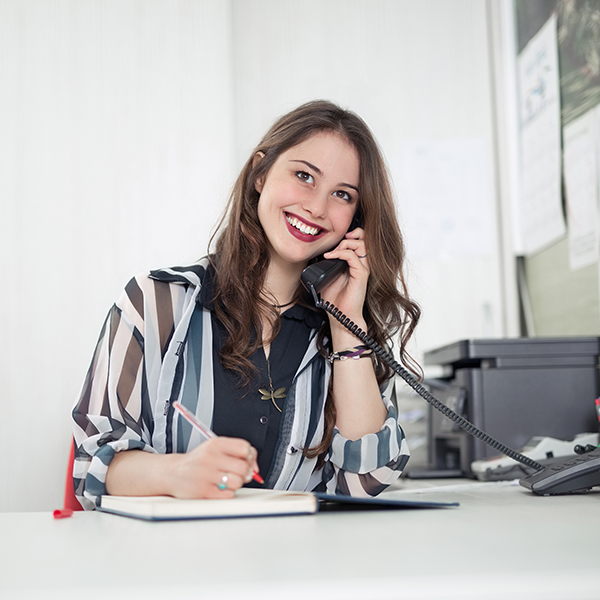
[[355, 391], [348, 291]]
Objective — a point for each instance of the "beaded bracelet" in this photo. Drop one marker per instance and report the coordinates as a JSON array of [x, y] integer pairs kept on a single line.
[[353, 353]]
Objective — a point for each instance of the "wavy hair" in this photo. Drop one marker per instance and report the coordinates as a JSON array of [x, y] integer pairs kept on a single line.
[[241, 255]]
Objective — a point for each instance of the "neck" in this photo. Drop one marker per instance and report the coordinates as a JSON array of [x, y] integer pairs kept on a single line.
[[281, 281]]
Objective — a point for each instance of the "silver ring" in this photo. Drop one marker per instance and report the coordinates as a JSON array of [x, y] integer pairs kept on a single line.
[[223, 484], [363, 256]]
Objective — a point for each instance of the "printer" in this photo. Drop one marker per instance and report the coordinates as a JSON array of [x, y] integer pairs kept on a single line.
[[513, 389]]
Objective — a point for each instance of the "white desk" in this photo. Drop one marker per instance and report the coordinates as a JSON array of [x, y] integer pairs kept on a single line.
[[501, 543]]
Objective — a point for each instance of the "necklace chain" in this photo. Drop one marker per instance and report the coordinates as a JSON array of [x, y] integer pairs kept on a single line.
[[271, 394], [283, 305]]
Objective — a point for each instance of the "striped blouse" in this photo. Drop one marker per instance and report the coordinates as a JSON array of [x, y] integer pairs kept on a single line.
[[144, 361]]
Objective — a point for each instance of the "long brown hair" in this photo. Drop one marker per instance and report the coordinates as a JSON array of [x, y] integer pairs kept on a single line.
[[241, 256]]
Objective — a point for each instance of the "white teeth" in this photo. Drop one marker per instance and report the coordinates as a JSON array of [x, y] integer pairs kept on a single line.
[[300, 226]]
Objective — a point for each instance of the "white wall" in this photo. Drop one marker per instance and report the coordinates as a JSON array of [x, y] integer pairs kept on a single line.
[[416, 72], [122, 123], [116, 155]]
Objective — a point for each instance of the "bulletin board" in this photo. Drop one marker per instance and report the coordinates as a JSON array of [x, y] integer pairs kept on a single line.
[[562, 277]]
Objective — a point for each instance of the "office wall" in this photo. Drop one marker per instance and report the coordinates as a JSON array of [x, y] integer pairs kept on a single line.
[[122, 125], [116, 153], [418, 73], [565, 300]]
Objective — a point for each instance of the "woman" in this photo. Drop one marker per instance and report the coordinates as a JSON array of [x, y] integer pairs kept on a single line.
[[236, 341]]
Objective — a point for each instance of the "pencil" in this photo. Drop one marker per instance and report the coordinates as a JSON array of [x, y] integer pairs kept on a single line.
[[206, 431]]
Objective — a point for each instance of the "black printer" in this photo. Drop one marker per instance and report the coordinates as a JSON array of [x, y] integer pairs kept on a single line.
[[513, 389]]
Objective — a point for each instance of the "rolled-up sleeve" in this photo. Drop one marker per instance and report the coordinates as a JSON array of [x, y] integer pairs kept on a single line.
[[368, 465], [112, 413]]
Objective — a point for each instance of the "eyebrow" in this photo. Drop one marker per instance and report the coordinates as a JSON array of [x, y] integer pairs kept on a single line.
[[320, 173]]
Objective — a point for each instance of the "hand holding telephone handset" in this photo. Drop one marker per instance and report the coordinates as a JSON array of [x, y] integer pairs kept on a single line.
[[567, 476], [320, 274], [346, 258]]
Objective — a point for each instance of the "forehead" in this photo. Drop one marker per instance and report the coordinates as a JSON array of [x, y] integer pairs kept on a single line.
[[330, 152]]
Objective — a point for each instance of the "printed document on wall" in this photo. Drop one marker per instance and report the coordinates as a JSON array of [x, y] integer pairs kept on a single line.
[[581, 191], [541, 214]]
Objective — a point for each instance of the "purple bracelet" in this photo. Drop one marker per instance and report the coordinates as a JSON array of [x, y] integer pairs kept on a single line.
[[353, 353]]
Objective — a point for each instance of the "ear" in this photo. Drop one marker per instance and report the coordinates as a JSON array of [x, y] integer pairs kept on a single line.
[[258, 184]]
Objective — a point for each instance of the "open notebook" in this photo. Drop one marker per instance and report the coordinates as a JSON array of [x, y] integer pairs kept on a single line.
[[249, 502]]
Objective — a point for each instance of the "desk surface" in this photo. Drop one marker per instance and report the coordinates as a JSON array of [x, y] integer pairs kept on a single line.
[[502, 542]]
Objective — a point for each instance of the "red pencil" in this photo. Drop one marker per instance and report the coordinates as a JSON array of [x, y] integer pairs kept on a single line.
[[206, 431]]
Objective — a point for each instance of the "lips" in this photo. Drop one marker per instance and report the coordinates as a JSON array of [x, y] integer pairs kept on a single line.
[[302, 230]]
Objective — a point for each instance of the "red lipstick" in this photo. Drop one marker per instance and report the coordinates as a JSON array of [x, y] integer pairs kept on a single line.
[[305, 237]]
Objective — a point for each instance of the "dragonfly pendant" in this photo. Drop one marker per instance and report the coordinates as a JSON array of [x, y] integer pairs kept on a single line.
[[271, 395]]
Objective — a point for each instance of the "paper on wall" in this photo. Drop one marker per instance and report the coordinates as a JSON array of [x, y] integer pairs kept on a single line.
[[541, 214], [581, 188]]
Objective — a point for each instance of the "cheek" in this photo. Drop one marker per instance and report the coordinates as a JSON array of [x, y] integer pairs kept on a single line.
[[261, 212], [343, 219], [268, 209], [272, 196]]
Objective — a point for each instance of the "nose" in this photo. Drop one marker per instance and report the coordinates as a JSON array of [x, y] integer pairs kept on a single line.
[[316, 204]]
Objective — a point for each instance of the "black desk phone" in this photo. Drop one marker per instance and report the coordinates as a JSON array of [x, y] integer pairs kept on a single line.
[[577, 474]]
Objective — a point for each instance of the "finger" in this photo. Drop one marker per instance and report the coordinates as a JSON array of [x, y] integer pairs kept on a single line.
[[253, 461], [358, 246], [224, 455], [250, 474], [235, 466], [234, 447], [213, 492], [356, 234], [229, 482], [355, 255]]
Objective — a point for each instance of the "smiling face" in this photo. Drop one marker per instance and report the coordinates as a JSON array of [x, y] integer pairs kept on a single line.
[[309, 197]]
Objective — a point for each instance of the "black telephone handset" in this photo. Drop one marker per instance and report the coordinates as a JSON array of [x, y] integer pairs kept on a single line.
[[320, 274], [570, 475]]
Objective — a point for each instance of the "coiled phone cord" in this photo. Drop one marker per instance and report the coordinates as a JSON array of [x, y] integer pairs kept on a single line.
[[411, 380]]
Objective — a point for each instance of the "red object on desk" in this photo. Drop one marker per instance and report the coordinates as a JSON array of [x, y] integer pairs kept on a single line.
[[70, 502]]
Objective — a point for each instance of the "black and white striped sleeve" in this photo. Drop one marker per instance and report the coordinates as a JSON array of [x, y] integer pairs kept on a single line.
[[113, 412], [367, 466]]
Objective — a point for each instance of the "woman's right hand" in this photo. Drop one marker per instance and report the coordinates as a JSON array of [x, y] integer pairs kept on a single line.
[[197, 474]]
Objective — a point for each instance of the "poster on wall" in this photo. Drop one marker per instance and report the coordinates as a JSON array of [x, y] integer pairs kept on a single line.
[[541, 213]]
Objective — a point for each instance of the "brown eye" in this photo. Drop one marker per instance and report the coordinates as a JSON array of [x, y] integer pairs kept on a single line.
[[304, 176], [343, 195]]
